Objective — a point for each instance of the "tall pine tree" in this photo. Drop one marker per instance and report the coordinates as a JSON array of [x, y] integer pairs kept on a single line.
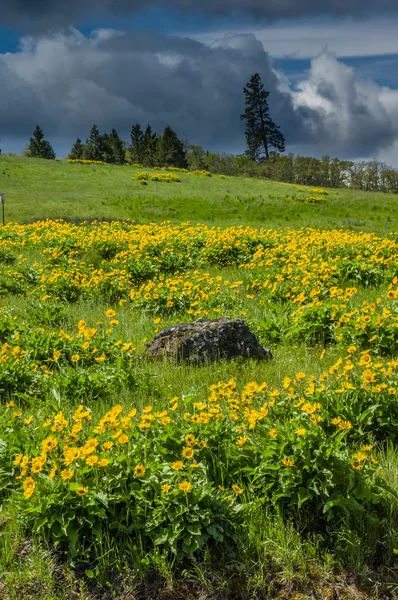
[[94, 146], [39, 147], [171, 151], [136, 149], [112, 148], [261, 131], [118, 147], [149, 143], [77, 150]]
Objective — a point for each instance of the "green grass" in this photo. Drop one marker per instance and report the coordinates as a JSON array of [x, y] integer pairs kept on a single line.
[[279, 558], [40, 189]]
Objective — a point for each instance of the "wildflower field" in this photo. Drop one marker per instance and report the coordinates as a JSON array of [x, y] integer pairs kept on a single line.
[[243, 479], [40, 189]]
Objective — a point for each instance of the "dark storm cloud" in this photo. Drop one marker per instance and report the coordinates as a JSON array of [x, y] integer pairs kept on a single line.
[[66, 82], [56, 12]]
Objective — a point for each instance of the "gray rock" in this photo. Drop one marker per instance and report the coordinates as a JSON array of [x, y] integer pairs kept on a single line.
[[207, 340]]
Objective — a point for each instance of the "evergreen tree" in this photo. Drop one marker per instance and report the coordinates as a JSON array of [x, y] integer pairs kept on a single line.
[[112, 148], [94, 146], [261, 132], [39, 147], [136, 148], [171, 151], [149, 143], [253, 142], [77, 150], [156, 158], [106, 149], [117, 147]]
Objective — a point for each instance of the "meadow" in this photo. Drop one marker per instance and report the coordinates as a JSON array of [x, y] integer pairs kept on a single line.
[[40, 189], [124, 477]]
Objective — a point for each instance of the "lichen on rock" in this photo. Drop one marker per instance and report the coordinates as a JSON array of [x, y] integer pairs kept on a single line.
[[207, 340]]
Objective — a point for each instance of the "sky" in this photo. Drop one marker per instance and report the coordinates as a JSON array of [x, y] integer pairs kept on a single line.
[[331, 69]]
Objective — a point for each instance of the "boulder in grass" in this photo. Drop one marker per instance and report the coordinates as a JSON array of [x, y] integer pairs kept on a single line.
[[207, 340]]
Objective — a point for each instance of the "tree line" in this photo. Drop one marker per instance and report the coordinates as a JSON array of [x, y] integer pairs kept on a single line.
[[371, 175], [262, 157], [148, 149], [145, 147]]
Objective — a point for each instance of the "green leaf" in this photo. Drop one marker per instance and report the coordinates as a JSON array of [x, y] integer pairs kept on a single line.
[[303, 496], [346, 503], [73, 535], [194, 529]]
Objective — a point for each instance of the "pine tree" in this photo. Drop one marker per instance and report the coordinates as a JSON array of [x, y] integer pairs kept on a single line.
[[261, 132], [106, 149], [171, 150], [94, 146], [39, 147], [77, 150], [253, 143], [136, 148], [112, 148], [117, 147], [149, 142]]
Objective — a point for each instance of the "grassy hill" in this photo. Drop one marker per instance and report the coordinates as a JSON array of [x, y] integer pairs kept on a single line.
[[39, 189], [130, 478]]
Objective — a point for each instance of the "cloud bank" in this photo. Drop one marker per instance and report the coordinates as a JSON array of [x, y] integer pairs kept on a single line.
[[44, 12], [68, 81], [306, 38]]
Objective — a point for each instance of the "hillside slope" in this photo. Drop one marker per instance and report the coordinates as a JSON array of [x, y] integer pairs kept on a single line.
[[37, 189]]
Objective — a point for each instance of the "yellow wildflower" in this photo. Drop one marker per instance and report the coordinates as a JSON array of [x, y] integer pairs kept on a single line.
[[185, 486], [242, 440], [49, 444], [188, 452], [301, 431], [139, 471], [177, 465], [29, 485]]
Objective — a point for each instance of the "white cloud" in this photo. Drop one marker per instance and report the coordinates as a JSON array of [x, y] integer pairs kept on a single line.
[[67, 81], [306, 39], [356, 115]]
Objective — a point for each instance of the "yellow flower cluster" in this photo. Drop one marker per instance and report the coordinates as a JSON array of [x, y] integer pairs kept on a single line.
[[84, 161], [166, 177], [305, 268], [296, 411]]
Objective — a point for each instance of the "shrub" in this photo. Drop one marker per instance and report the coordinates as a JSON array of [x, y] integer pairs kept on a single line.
[[166, 177], [84, 161], [180, 477]]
